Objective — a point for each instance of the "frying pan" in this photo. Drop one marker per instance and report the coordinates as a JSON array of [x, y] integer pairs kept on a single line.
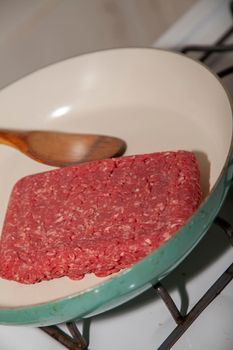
[[155, 100]]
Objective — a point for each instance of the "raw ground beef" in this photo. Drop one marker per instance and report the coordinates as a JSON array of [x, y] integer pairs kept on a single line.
[[99, 217]]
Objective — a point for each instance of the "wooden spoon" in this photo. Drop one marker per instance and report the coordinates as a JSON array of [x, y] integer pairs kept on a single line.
[[62, 149]]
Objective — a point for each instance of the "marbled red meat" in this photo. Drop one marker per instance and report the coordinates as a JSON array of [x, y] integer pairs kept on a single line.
[[99, 217]]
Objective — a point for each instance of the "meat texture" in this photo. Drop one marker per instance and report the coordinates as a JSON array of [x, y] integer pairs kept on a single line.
[[99, 217]]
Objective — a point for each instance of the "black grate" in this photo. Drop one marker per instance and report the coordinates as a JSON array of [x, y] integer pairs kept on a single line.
[[184, 322], [74, 341], [218, 46]]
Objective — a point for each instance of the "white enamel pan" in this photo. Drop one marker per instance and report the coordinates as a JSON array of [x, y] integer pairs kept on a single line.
[[156, 101]]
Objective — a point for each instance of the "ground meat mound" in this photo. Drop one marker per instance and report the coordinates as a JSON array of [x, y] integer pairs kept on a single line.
[[99, 217]]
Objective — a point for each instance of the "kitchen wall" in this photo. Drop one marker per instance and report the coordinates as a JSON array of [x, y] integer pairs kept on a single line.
[[35, 33]]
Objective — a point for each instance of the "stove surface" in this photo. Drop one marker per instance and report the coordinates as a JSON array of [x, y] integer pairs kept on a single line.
[[145, 322]]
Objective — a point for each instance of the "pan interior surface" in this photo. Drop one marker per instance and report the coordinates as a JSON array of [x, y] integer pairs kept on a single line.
[[153, 99]]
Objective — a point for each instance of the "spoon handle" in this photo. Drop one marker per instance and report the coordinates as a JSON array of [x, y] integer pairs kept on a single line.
[[13, 138]]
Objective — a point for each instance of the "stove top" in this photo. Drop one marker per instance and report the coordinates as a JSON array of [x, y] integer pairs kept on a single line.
[[146, 322]]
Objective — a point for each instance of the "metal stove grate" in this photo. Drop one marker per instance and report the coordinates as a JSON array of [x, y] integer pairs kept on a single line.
[[184, 322], [74, 341]]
